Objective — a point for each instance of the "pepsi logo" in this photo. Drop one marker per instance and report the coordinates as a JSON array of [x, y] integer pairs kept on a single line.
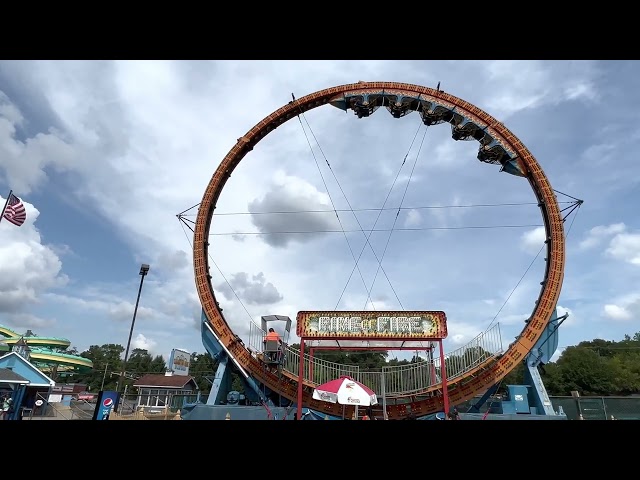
[[107, 402]]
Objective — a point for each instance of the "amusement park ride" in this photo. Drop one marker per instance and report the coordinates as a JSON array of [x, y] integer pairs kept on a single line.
[[281, 386]]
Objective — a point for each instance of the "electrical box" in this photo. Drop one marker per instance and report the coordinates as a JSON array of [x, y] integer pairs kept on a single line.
[[519, 397]]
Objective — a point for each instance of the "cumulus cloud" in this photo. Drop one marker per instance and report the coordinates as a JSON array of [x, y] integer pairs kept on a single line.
[[292, 194], [597, 235], [176, 260], [24, 321], [625, 247], [25, 162], [463, 332], [27, 266], [537, 84], [570, 320], [447, 215], [142, 342], [9, 111], [413, 218], [616, 312], [533, 240], [255, 290], [115, 308]]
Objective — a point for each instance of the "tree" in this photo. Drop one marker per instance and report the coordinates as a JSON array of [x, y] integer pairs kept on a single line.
[[584, 370], [141, 362], [202, 366], [596, 367], [106, 360]]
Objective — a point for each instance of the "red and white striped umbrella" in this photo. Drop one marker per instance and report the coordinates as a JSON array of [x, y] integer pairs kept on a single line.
[[345, 391]]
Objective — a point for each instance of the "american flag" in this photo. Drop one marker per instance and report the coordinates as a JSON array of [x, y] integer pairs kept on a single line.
[[15, 211]]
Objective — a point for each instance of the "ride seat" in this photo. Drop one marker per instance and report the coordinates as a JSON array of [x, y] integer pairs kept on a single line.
[[272, 351]]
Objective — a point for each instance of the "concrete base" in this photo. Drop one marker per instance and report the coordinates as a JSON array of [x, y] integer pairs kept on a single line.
[[234, 412], [510, 416]]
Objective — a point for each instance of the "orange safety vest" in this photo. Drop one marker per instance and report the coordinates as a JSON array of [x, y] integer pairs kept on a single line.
[[272, 336]]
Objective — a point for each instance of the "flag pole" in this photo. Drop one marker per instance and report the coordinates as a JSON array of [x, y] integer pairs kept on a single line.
[[5, 205]]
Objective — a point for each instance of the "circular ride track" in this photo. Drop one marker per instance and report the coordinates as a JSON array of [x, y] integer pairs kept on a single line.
[[497, 146]]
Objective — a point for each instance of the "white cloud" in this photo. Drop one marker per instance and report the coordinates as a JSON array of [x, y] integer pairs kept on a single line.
[[599, 234], [313, 211], [534, 84], [144, 343], [9, 111], [570, 320], [615, 312], [24, 163], [24, 321], [625, 247], [413, 218], [114, 307], [533, 240], [27, 266], [255, 290], [464, 332]]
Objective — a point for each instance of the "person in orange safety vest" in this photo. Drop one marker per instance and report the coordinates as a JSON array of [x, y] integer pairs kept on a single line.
[[273, 335]]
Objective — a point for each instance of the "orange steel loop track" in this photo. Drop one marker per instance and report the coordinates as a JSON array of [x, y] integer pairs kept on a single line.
[[461, 388]]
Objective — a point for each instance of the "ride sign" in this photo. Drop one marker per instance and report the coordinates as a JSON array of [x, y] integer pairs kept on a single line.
[[371, 324]]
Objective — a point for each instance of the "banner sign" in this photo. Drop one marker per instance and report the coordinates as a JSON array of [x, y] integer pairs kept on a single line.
[[107, 401], [372, 325], [179, 361]]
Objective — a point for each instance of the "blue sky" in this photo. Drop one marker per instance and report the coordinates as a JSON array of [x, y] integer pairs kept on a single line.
[[105, 154]]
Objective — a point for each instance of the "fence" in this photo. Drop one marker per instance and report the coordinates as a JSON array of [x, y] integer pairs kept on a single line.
[[592, 408], [135, 407], [43, 409], [599, 408], [391, 381]]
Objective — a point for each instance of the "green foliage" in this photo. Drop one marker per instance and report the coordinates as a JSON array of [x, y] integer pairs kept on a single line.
[[202, 365], [514, 377], [596, 367], [366, 360], [106, 361]]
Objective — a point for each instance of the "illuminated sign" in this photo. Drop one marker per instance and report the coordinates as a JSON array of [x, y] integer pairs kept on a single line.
[[373, 325]]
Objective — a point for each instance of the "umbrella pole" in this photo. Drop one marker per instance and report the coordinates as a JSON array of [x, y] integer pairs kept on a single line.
[[343, 411]]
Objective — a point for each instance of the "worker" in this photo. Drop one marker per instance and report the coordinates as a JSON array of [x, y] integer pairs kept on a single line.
[[272, 335]]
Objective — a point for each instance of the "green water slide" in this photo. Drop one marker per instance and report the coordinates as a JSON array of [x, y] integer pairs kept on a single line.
[[47, 353]]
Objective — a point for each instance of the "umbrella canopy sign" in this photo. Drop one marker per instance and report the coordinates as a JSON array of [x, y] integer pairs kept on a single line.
[[372, 325], [346, 391]]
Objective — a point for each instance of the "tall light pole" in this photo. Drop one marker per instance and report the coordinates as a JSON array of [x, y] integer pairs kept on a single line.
[[144, 269]]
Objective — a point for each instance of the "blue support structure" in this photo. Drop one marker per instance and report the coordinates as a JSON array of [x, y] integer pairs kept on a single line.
[[224, 403], [539, 355], [222, 380], [532, 397], [475, 408]]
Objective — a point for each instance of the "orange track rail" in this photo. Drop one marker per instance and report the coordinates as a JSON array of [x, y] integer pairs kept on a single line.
[[462, 388]]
